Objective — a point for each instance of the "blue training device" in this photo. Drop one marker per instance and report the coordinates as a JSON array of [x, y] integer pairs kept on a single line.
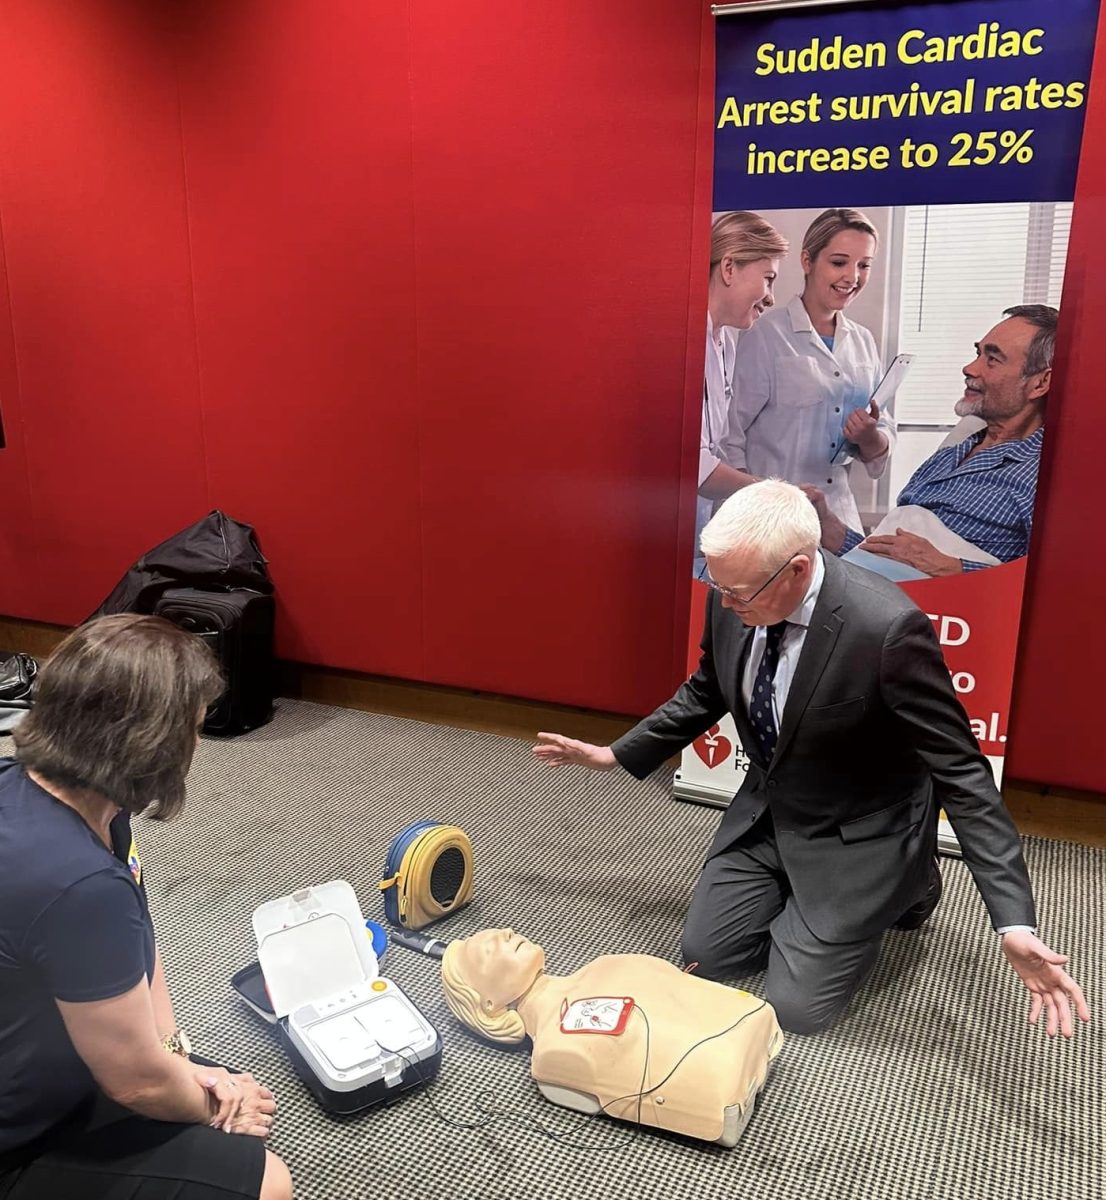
[[379, 936]]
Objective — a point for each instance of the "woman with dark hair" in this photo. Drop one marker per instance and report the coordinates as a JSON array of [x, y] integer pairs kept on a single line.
[[98, 1096]]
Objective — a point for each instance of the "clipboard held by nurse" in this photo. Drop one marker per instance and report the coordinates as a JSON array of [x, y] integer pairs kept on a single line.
[[885, 391]]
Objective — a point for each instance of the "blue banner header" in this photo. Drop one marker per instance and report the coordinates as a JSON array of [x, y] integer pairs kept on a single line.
[[962, 101]]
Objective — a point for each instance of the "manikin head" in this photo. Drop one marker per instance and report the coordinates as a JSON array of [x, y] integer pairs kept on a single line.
[[760, 548], [484, 975]]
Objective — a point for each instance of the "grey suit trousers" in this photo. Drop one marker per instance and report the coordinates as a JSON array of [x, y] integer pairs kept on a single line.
[[743, 917]]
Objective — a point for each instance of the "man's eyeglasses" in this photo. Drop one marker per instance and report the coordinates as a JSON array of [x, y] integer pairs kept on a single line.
[[730, 594]]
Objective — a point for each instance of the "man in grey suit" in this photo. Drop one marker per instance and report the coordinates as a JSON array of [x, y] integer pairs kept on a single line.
[[843, 702]]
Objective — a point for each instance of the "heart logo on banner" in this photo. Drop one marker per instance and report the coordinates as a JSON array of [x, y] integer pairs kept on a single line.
[[712, 747]]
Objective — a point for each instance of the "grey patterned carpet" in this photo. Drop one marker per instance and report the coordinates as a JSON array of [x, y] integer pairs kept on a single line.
[[932, 1087]]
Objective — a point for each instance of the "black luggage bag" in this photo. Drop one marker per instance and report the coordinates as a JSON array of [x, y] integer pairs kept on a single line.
[[18, 675], [217, 553], [238, 626]]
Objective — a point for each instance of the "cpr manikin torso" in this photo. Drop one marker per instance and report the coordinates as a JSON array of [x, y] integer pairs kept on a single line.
[[591, 1032]]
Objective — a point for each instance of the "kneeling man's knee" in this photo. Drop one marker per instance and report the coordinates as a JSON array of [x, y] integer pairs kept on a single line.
[[799, 1014], [716, 959]]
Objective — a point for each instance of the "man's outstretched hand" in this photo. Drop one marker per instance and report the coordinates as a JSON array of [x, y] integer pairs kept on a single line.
[[1042, 971], [557, 751]]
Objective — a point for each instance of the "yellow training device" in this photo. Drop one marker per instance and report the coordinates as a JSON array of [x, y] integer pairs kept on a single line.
[[428, 874]]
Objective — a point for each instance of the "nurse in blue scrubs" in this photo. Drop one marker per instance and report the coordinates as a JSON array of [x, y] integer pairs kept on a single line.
[[804, 376]]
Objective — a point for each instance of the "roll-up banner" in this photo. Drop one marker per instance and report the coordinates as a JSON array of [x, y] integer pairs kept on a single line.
[[906, 174]]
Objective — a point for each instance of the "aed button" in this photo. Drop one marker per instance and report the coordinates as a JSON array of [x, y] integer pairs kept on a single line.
[[379, 985]]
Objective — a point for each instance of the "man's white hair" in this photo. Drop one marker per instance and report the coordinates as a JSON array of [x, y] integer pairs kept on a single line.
[[771, 518]]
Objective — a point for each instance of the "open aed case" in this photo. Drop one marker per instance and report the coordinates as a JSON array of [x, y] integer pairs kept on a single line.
[[353, 1037]]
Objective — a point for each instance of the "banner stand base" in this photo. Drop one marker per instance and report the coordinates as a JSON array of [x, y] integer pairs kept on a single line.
[[946, 840], [691, 792]]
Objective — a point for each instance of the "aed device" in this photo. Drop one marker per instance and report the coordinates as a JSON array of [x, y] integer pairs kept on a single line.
[[249, 982], [427, 874], [354, 1038]]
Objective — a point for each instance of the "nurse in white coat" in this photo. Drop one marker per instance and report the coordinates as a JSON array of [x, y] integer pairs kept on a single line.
[[745, 254], [804, 378]]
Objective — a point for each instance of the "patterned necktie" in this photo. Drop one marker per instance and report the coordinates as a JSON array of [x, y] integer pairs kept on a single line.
[[761, 716]]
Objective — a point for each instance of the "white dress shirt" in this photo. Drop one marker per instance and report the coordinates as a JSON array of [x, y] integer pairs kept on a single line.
[[791, 397]]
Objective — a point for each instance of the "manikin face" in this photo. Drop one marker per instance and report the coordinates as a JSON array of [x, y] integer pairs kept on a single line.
[[760, 592], [994, 385], [747, 290], [500, 965], [838, 275]]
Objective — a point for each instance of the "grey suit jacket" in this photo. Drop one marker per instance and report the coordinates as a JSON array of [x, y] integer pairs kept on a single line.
[[872, 743]]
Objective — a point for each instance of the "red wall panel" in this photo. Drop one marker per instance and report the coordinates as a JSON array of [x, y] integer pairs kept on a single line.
[[297, 145], [407, 287], [109, 447], [1059, 689], [18, 543], [552, 313]]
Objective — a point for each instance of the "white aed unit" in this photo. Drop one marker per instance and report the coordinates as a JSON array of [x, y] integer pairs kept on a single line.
[[354, 1038]]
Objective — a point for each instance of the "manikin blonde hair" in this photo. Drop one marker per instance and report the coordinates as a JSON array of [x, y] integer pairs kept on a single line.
[[502, 1025]]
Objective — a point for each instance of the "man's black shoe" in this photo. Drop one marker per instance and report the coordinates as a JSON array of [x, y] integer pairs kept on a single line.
[[917, 914]]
